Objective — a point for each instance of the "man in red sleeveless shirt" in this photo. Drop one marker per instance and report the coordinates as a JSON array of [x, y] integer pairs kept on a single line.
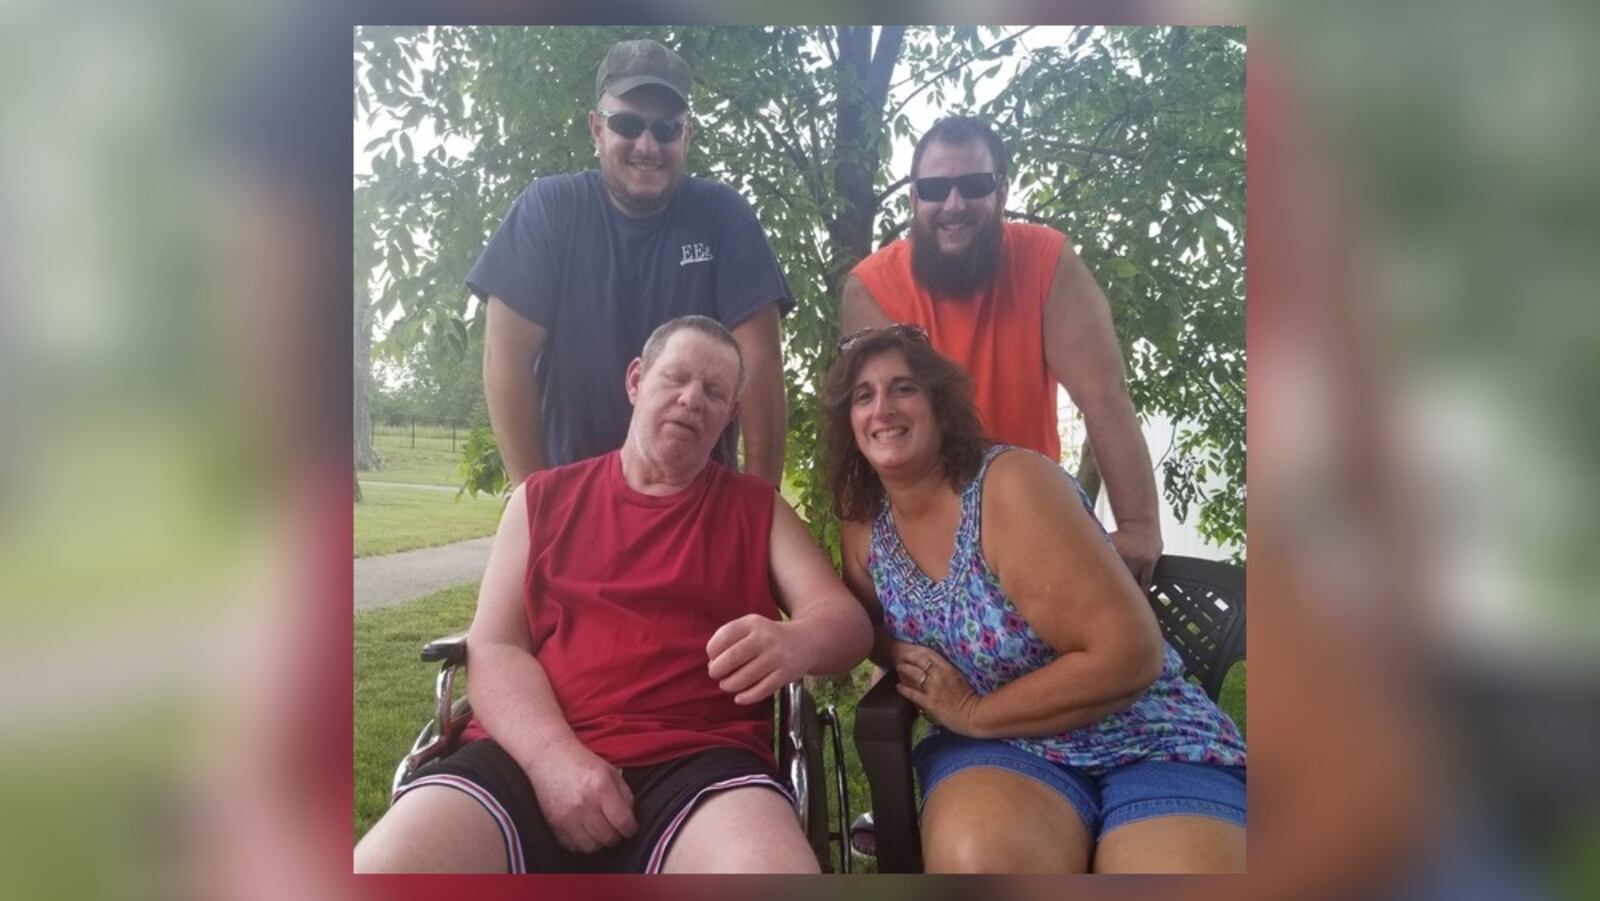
[[1014, 304], [625, 651]]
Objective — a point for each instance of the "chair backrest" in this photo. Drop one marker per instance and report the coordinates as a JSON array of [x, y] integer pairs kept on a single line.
[[1200, 606]]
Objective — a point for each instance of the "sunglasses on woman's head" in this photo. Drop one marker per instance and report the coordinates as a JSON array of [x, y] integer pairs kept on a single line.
[[632, 125], [908, 329], [935, 189]]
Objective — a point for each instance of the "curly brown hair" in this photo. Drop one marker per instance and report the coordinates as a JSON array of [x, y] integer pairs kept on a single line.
[[854, 484]]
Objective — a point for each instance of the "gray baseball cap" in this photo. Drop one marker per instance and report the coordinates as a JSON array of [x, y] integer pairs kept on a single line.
[[633, 64]]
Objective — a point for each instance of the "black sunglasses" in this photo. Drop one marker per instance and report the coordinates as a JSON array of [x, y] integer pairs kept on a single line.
[[910, 330], [632, 125], [972, 186]]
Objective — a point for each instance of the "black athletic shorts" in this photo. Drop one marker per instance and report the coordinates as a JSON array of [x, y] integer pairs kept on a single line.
[[663, 796]]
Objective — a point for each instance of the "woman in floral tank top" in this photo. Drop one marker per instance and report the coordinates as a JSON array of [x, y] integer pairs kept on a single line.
[[1066, 738]]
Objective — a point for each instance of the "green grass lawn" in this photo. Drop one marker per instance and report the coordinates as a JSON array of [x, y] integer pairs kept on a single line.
[[394, 688], [393, 518], [394, 696], [423, 465], [1231, 698]]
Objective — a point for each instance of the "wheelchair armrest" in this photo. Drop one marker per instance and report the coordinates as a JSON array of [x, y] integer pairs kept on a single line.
[[450, 713], [449, 649], [883, 741], [883, 715]]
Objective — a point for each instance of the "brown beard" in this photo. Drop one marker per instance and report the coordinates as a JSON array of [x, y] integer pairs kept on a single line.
[[631, 206], [955, 276]]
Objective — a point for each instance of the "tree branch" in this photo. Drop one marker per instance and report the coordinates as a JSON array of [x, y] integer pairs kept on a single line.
[[813, 178], [1030, 217], [810, 241], [1089, 149], [889, 191], [949, 69], [795, 154], [883, 62], [811, 120]]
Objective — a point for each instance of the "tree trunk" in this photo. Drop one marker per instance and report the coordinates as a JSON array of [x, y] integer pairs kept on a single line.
[[366, 457], [863, 91]]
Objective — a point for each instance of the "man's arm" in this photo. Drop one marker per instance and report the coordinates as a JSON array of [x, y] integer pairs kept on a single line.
[[763, 408], [1080, 345], [584, 799], [827, 631], [858, 309], [511, 344], [854, 538]]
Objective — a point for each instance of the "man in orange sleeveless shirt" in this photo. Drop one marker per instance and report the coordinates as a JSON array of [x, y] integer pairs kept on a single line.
[[1014, 304]]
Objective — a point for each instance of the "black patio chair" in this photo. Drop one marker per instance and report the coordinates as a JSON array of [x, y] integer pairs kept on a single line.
[[1200, 605], [799, 740]]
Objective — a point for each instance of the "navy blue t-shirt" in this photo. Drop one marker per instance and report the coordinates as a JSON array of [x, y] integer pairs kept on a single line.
[[599, 283]]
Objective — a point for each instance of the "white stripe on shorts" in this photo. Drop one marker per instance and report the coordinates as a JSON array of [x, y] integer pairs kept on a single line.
[[659, 853]]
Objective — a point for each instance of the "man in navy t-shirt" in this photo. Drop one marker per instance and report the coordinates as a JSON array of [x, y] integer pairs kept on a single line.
[[586, 265]]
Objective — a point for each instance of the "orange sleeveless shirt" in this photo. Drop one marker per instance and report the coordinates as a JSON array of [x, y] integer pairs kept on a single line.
[[997, 335]]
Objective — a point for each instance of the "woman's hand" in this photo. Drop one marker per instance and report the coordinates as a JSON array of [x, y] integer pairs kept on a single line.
[[938, 689]]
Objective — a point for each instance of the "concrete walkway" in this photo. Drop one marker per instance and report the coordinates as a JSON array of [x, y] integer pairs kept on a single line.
[[450, 488], [408, 575]]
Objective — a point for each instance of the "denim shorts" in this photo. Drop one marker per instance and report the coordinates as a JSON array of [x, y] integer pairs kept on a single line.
[[1126, 794]]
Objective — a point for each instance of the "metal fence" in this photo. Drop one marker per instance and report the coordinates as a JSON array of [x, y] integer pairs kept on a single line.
[[418, 435]]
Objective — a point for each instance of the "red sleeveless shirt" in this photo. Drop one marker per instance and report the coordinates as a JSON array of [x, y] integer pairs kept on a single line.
[[622, 593]]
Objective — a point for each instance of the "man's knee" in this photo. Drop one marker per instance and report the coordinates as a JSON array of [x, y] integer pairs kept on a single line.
[[791, 854], [433, 830], [742, 830], [375, 853], [383, 848]]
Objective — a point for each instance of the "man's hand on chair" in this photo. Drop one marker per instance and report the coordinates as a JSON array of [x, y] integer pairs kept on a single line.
[[583, 798], [751, 659], [1139, 546]]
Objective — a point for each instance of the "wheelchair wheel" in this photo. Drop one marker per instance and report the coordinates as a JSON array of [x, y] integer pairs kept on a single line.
[[816, 776]]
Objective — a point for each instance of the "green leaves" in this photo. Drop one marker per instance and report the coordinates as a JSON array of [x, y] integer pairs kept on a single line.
[[1147, 130], [482, 471], [1110, 130]]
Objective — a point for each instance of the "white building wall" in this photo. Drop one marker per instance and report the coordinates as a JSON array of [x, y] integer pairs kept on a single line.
[[1177, 536]]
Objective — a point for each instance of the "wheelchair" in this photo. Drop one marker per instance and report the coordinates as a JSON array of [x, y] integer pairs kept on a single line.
[[1200, 605], [801, 726]]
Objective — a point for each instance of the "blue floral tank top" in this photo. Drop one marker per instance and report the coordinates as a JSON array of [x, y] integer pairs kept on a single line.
[[968, 618]]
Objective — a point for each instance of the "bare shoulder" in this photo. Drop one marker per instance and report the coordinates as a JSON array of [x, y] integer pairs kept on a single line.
[[854, 284], [1025, 493], [780, 504], [853, 538], [859, 308], [791, 541], [786, 523], [517, 504], [516, 523], [1019, 477]]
